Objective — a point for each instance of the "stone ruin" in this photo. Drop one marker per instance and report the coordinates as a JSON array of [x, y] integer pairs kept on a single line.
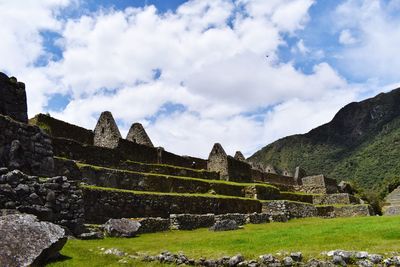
[[82, 173], [137, 134], [106, 133]]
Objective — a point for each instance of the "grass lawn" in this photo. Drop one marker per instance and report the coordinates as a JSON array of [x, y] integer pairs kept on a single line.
[[310, 236]]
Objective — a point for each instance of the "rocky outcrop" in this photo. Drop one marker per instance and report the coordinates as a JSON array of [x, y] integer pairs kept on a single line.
[[25, 241], [13, 98], [121, 227]]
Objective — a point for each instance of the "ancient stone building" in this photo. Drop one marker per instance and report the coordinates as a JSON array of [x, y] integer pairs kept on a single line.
[[239, 156], [13, 98], [270, 169], [218, 161], [106, 133], [392, 203], [138, 135]]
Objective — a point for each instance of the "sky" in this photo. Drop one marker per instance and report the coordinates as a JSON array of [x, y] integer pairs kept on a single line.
[[243, 73]]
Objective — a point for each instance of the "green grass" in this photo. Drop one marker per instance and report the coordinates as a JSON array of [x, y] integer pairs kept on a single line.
[[310, 236]]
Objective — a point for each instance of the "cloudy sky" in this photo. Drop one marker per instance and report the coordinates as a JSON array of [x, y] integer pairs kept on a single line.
[[240, 72]]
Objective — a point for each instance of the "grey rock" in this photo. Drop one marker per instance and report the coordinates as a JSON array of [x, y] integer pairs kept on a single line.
[[364, 263], [121, 227], [25, 241], [338, 260], [114, 251], [224, 225], [267, 258], [362, 255], [296, 256], [235, 260], [287, 261], [375, 258]]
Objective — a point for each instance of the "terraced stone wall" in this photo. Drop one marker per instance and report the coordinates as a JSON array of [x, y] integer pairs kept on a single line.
[[332, 211], [334, 199], [61, 129], [161, 183], [274, 178], [239, 171], [289, 208], [100, 205]]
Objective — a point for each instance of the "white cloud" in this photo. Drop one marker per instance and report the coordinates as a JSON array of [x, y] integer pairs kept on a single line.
[[375, 54], [212, 57], [346, 37]]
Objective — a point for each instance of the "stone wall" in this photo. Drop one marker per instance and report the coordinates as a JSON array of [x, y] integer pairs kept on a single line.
[[25, 147], [274, 178], [155, 183], [334, 199], [54, 199], [239, 171], [289, 208], [102, 204], [13, 98], [191, 221], [58, 128], [319, 184], [168, 170], [330, 211], [299, 197]]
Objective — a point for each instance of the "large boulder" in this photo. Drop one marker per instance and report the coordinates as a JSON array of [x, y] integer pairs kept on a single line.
[[25, 241], [121, 227]]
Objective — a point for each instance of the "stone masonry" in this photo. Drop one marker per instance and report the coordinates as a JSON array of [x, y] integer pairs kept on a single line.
[[106, 133], [13, 98], [137, 134]]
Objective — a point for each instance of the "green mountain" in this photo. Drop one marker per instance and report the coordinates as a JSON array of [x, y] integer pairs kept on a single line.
[[361, 144]]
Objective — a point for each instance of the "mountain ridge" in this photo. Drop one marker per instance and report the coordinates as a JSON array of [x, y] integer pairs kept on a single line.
[[360, 144]]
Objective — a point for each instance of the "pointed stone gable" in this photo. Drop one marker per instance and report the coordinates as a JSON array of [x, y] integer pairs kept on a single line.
[[239, 156], [137, 134], [106, 133], [218, 161]]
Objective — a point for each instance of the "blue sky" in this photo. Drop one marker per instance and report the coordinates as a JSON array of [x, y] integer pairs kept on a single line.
[[240, 72]]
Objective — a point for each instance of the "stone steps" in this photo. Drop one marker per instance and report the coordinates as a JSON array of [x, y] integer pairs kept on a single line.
[[392, 203]]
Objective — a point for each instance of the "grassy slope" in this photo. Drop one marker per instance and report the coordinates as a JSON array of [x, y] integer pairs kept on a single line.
[[372, 164], [311, 236]]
